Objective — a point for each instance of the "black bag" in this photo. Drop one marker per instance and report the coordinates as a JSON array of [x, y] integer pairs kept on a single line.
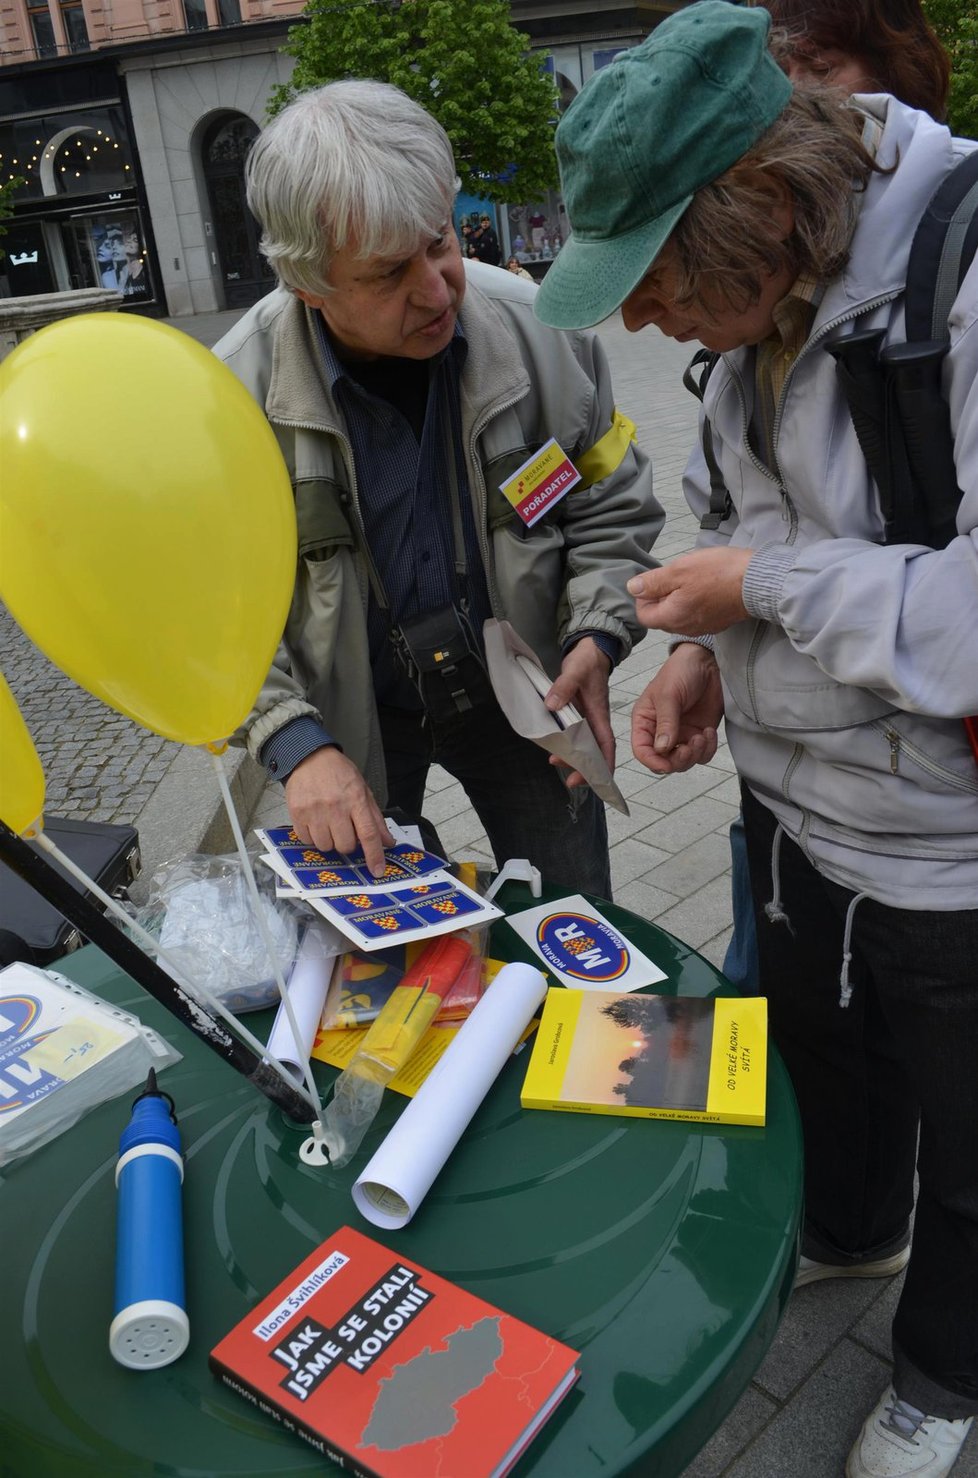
[[442, 658], [31, 929]]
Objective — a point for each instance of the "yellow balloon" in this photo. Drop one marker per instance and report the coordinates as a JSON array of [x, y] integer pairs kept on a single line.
[[147, 525], [21, 775]]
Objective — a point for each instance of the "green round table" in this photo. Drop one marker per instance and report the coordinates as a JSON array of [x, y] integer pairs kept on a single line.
[[663, 1251]]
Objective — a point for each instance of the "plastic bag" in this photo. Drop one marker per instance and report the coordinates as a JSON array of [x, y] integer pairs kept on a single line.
[[201, 910], [62, 1052]]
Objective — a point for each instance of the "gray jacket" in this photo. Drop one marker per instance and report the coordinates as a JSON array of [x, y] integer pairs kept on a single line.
[[844, 695], [521, 384]]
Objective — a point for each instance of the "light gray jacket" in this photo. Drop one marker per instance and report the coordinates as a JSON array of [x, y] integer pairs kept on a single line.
[[521, 384], [844, 696]]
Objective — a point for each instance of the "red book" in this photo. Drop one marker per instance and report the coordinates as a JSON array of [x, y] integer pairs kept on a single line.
[[392, 1371]]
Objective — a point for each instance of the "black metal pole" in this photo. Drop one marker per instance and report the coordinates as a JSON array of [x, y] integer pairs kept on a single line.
[[90, 921]]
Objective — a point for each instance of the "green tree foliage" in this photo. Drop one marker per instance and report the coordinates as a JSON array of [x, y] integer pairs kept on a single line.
[[956, 24], [462, 60]]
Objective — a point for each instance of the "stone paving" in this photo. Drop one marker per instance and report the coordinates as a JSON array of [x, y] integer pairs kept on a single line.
[[97, 764], [670, 862]]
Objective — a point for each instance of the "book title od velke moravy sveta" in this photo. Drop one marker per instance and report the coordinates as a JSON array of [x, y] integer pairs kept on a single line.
[[650, 1056], [391, 1370]]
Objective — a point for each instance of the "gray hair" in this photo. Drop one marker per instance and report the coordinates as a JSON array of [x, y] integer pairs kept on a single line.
[[729, 241], [353, 163]]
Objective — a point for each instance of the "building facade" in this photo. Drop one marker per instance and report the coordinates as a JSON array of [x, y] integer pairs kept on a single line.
[[129, 122]]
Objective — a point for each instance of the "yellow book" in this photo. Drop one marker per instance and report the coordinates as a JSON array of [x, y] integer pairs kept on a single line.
[[650, 1056]]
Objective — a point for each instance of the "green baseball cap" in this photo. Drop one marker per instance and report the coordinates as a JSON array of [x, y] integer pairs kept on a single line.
[[642, 136]]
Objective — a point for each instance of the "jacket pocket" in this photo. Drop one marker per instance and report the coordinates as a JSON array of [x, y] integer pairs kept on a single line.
[[783, 690], [322, 524]]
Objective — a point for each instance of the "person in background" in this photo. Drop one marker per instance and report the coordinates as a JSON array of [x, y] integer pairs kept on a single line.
[[404, 386], [864, 46], [711, 198], [856, 46], [513, 266], [486, 242]]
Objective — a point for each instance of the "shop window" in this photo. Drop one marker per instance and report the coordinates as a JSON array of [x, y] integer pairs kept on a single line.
[[25, 269], [89, 159], [75, 27], [89, 155], [195, 14], [107, 250]]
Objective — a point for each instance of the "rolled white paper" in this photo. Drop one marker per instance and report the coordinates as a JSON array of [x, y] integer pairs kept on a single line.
[[307, 989], [399, 1176]]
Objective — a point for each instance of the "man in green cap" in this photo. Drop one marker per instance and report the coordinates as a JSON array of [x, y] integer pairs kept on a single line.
[[709, 198]]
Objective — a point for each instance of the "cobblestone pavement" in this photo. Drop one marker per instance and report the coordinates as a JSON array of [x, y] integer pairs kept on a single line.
[[97, 764]]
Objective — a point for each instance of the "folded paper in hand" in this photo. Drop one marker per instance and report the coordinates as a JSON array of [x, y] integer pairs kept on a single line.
[[520, 685]]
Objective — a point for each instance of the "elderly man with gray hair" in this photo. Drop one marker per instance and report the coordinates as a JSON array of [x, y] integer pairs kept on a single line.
[[405, 390]]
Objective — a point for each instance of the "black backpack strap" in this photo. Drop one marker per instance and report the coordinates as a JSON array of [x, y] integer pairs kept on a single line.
[[944, 245], [894, 391], [721, 503]]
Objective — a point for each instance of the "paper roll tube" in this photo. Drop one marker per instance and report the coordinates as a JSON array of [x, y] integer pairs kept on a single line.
[[307, 988], [398, 1178]]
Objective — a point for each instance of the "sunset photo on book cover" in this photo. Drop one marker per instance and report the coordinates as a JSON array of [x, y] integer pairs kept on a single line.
[[638, 1049]]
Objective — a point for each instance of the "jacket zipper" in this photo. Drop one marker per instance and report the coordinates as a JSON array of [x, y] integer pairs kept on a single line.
[[481, 521], [900, 744], [774, 475]]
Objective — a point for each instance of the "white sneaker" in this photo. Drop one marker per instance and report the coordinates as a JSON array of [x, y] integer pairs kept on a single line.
[[898, 1440], [810, 1271]]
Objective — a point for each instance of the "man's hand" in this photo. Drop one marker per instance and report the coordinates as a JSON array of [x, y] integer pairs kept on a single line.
[[331, 806], [674, 722], [696, 594], [583, 681]]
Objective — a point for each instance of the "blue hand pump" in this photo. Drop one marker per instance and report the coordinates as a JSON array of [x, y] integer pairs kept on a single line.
[[150, 1327]]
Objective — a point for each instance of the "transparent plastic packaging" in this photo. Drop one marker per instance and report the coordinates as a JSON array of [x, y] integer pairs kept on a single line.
[[201, 910]]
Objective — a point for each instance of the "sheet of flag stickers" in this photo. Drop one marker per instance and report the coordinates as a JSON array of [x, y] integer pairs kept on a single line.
[[416, 898]]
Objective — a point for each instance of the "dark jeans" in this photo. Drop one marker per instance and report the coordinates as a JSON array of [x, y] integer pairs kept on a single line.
[[903, 1053], [526, 809], [740, 961]]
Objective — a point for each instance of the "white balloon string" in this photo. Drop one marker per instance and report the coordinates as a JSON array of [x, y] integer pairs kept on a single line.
[[152, 948], [264, 929]]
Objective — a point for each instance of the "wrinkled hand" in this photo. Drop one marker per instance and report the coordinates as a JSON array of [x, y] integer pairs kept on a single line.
[[696, 594], [331, 806], [674, 722], [583, 681]]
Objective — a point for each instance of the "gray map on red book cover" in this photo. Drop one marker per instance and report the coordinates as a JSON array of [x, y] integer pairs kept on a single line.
[[417, 1401]]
